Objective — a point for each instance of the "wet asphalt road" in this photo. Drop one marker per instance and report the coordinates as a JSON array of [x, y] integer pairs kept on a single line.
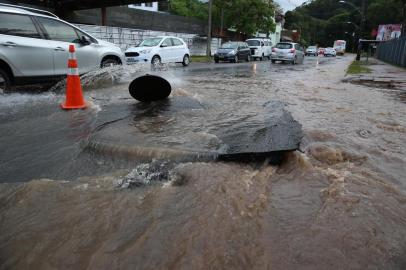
[[338, 203], [42, 141]]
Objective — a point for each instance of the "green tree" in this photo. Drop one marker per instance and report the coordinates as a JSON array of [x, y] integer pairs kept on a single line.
[[245, 16], [188, 8], [323, 21]]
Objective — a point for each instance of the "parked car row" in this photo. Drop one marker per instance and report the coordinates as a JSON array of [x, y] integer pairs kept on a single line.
[[34, 48], [313, 50], [291, 52], [233, 51]]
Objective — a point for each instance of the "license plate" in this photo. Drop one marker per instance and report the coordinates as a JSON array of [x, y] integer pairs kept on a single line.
[[131, 59]]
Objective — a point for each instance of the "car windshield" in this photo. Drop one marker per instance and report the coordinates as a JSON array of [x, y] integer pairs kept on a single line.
[[284, 46], [150, 42], [229, 45], [312, 47], [253, 42]]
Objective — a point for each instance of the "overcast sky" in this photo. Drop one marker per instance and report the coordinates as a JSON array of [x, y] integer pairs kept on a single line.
[[289, 4]]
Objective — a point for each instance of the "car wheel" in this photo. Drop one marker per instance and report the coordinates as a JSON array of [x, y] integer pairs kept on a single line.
[[108, 62], [248, 58], [156, 60], [216, 61], [5, 82], [186, 60], [273, 61], [261, 58]]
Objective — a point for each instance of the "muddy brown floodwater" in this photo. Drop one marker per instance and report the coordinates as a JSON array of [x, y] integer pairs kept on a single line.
[[340, 203]]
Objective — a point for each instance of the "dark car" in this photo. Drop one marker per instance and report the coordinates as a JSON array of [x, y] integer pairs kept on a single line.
[[233, 51]]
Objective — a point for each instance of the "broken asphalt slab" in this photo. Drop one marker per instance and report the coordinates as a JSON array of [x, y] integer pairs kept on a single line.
[[176, 128]]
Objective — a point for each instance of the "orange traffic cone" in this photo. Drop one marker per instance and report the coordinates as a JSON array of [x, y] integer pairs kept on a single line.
[[74, 95]]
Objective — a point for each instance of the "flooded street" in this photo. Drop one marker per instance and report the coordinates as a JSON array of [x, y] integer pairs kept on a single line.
[[96, 189]]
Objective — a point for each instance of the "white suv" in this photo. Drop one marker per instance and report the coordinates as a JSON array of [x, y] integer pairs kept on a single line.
[[34, 47], [163, 49]]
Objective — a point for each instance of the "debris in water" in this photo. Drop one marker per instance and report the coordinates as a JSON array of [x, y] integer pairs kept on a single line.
[[146, 173]]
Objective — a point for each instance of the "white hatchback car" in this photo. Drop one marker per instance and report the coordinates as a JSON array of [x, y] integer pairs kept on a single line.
[[162, 49], [330, 52]]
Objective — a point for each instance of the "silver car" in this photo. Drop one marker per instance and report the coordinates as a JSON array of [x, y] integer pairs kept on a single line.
[[288, 52], [34, 47], [312, 50]]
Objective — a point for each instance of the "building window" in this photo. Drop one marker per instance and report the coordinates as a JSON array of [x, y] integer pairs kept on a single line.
[[148, 4]]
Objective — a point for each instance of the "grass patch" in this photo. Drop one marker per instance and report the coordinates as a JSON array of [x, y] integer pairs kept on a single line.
[[200, 58], [358, 67]]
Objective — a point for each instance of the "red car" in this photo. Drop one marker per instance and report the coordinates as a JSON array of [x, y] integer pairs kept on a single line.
[[321, 51]]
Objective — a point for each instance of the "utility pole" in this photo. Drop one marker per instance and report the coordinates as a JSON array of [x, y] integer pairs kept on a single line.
[[103, 16], [208, 48], [361, 28]]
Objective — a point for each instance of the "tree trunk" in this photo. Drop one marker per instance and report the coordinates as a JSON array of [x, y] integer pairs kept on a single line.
[[404, 19]]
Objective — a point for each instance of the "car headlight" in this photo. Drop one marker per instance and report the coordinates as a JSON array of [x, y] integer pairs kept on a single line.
[[145, 51], [232, 52]]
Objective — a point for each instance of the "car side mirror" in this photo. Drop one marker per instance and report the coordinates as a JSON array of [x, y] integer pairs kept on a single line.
[[163, 45], [84, 41]]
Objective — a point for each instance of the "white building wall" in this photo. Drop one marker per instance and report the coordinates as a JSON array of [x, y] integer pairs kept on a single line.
[[276, 36], [144, 6]]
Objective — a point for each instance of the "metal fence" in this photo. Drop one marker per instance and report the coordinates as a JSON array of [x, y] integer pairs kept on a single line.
[[127, 37], [393, 51]]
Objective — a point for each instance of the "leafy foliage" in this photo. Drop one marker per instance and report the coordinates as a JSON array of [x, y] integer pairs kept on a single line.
[[189, 8], [323, 21], [245, 16]]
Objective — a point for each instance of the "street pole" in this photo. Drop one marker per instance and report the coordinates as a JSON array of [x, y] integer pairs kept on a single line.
[[361, 28], [208, 48], [103, 16]]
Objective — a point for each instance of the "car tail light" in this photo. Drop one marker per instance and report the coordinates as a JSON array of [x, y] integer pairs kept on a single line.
[[273, 50], [292, 50]]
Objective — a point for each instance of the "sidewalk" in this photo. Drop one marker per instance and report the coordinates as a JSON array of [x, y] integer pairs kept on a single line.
[[382, 75]]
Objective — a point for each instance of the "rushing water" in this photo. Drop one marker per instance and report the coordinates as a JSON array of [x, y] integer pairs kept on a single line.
[[340, 203]]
